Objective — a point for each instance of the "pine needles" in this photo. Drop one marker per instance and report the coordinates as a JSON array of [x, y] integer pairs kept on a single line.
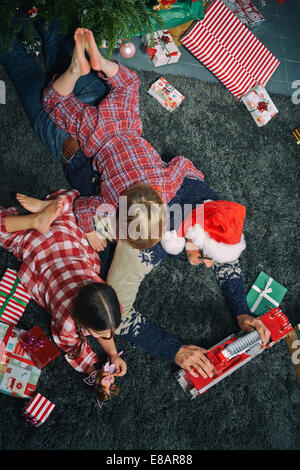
[[110, 20]]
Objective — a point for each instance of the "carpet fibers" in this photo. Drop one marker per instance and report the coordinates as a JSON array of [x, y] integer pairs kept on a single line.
[[258, 406]]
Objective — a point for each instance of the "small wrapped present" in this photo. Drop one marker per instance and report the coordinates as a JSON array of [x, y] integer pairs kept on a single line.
[[265, 294], [39, 347], [38, 410], [260, 105], [296, 134], [166, 94], [13, 298], [293, 342], [18, 373], [162, 49], [245, 11]]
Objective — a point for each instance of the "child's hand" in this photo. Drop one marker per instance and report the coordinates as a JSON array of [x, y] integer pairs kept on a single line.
[[120, 365], [96, 241]]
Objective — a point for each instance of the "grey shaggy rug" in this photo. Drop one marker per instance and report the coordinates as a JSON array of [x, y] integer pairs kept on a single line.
[[258, 406]]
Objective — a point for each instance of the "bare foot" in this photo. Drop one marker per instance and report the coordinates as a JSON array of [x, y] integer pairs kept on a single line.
[[96, 59], [31, 204], [80, 64], [46, 216]]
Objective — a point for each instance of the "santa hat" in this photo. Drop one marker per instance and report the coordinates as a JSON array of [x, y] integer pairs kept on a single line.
[[215, 227]]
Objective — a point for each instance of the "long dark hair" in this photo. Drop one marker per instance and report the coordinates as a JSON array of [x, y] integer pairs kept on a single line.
[[96, 306]]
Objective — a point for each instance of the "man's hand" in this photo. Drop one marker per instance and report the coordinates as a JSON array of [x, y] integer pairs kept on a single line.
[[96, 241], [248, 323], [189, 357]]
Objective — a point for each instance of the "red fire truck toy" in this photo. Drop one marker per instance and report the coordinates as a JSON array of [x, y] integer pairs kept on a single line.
[[235, 351]]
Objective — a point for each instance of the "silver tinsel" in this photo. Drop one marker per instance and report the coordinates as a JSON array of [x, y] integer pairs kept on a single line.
[[34, 48]]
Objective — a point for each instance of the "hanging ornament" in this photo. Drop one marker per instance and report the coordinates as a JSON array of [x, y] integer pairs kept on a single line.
[[127, 49], [33, 12]]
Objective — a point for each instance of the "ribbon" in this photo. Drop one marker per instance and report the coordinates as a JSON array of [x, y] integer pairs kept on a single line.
[[262, 105], [151, 52], [10, 296], [2, 352], [32, 343], [31, 420], [263, 293], [165, 39]]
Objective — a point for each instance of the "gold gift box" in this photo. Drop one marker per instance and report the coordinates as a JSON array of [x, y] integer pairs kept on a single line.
[[296, 134]]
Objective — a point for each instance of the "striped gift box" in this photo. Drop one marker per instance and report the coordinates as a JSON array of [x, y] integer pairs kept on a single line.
[[13, 298], [38, 410], [229, 50], [296, 134]]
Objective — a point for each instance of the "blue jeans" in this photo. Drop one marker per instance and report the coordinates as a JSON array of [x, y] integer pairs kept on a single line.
[[29, 81]]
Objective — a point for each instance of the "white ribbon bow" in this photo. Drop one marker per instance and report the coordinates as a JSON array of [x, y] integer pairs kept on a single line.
[[263, 293]]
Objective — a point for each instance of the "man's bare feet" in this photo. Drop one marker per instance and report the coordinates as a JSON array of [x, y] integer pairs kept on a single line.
[[31, 204], [46, 216], [80, 65], [96, 59]]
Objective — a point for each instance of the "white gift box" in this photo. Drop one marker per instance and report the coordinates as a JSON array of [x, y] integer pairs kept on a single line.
[[166, 94], [260, 105], [162, 50]]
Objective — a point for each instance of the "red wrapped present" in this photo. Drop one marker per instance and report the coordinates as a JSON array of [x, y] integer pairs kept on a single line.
[[38, 410], [39, 347], [13, 298]]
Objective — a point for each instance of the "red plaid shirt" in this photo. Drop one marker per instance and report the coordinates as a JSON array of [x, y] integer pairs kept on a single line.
[[111, 133], [55, 265]]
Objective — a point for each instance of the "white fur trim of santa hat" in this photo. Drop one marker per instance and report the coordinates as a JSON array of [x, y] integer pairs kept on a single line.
[[218, 251]]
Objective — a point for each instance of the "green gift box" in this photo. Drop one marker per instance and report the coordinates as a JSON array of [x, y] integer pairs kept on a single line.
[[265, 294]]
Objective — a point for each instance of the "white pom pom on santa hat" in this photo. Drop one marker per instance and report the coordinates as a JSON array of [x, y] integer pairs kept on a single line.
[[172, 243], [215, 227]]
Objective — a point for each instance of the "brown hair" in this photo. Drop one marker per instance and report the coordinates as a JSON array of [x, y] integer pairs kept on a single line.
[[144, 215], [104, 393], [95, 306]]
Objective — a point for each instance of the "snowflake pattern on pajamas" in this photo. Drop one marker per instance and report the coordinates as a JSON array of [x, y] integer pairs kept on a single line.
[[227, 271]]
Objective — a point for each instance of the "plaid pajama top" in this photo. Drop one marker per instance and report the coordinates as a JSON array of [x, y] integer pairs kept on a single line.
[[55, 265], [111, 134]]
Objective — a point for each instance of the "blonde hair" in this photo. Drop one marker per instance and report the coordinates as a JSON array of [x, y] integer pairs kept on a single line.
[[144, 217]]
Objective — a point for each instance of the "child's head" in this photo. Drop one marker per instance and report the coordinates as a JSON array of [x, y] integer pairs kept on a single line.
[[97, 309], [142, 216]]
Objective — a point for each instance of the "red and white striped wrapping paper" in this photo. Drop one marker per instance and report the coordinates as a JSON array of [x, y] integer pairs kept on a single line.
[[38, 409], [12, 304], [230, 51]]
